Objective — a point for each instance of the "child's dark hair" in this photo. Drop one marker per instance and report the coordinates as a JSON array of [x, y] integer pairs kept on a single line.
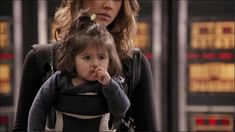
[[82, 33]]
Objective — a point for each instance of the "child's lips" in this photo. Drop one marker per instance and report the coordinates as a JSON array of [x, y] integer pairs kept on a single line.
[[92, 72], [93, 69]]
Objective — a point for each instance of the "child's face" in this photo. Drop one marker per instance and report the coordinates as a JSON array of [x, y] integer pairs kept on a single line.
[[87, 61]]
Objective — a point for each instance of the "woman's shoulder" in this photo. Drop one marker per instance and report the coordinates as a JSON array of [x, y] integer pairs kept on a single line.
[[43, 48], [37, 53], [38, 57], [41, 51], [138, 56]]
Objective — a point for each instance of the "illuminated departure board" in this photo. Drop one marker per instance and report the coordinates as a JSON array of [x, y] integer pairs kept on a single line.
[[213, 35], [212, 77], [6, 62], [216, 122], [224, 35], [141, 39], [5, 79], [202, 35], [4, 34], [211, 57]]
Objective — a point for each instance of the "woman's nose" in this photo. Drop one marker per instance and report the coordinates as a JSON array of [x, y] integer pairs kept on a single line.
[[108, 4]]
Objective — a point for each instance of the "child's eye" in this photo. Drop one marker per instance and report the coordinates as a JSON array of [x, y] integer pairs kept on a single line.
[[102, 57], [86, 57]]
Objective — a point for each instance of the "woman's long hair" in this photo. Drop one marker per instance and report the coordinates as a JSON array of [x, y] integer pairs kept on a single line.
[[123, 28]]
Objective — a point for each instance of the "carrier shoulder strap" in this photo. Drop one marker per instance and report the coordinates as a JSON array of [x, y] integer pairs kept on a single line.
[[127, 119], [137, 66], [44, 59]]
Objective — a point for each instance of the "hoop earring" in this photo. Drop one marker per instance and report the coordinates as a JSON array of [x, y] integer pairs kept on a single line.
[[56, 33]]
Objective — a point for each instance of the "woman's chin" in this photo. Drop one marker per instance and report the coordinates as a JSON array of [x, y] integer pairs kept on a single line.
[[103, 22]]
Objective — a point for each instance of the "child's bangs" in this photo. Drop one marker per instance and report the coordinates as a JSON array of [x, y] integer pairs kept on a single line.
[[104, 42]]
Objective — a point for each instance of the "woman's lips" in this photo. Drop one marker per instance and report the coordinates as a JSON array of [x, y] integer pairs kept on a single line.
[[104, 16]]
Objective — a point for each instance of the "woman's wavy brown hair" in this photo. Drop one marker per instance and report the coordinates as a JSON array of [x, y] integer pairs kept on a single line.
[[122, 28]]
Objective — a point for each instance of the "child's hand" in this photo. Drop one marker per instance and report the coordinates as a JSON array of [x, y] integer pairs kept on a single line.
[[102, 75]]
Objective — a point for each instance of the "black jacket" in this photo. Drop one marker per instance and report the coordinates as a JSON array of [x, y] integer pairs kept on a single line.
[[142, 96]]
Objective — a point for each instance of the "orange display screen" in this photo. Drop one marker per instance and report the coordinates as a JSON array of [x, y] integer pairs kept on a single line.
[[4, 34], [141, 39], [211, 65], [5, 85], [212, 35], [212, 77], [212, 122]]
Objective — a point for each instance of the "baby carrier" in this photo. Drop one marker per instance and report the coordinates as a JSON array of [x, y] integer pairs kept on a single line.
[[44, 59]]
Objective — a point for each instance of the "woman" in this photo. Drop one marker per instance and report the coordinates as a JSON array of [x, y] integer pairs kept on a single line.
[[119, 18]]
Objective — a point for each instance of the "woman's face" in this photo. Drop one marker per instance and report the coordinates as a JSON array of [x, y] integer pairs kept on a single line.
[[105, 10]]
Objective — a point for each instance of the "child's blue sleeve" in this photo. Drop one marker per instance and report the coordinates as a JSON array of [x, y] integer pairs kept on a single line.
[[118, 102], [42, 104]]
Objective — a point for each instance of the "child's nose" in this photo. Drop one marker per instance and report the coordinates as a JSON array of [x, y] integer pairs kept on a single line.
[[95, 63]]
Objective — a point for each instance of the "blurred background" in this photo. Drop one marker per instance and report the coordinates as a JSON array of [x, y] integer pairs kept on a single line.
[[189, 43]]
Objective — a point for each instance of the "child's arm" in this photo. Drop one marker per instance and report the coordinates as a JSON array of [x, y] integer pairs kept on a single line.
[[42, 105], [118, 102]]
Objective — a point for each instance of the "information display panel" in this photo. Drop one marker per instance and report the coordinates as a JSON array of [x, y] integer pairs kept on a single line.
[[211, 122], [6, 63], [211, 62], [4, 34]]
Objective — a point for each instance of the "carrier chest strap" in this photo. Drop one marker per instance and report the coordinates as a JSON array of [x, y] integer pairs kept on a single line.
[[82, 116], [103, 127]]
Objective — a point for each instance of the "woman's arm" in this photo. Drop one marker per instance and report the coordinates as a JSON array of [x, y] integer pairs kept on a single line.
[[30, 84], [118, 102], [143, 106], [42, 104]]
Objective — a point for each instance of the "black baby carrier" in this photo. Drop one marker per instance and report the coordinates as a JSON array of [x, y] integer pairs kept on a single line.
[[132, 71]]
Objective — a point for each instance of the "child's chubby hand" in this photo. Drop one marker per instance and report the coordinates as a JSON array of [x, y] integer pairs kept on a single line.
[[102, 76]]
